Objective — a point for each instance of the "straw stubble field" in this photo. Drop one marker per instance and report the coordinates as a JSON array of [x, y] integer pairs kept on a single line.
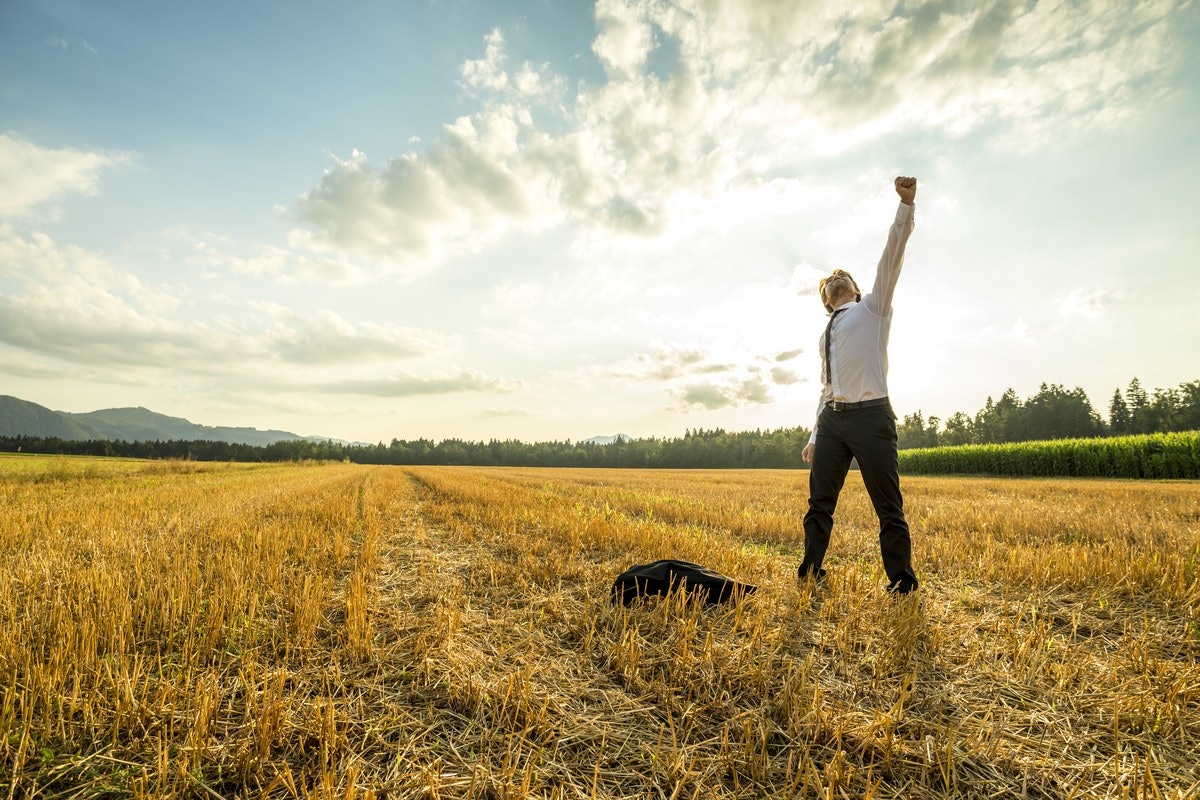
[[339, 631]]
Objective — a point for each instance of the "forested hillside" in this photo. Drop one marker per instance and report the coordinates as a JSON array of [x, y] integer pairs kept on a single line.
[[23, 418]]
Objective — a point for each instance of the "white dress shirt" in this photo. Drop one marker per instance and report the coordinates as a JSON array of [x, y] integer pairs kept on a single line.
[[859, 336]]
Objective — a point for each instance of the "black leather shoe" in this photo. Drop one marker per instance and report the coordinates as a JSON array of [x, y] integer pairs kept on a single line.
[[902, 586]]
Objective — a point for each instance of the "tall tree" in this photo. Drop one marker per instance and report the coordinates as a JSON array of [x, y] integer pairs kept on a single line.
[[1161, 413], [914, 432], [1189, 409], [1118, 414], [1136, 398], [959, 430], [1055, 413], [1000, 421]]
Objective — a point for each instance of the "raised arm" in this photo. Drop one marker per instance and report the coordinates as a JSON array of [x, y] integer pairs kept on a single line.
[[879, 300]]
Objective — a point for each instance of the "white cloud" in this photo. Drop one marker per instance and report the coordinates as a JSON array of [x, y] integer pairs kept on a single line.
[[757, 88], [1090, 303], [79, 308], [64, 43], [516, 299], [625, 36], [705, 394], [327, 338], [664, 362], [784, 377], [488, 72], [1021, 332], [211, 254], [86, 325], [71, 274], [461, 193], [690, 376], [411, 385], [510, 413], [711, 395], [33, 176]]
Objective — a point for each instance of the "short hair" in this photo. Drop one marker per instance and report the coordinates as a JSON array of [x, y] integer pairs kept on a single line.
[[821, 288]]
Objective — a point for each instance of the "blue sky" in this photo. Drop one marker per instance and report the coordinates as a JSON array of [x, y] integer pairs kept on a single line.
[[554, 220]]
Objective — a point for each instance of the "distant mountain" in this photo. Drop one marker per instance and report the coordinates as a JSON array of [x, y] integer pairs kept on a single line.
[[620, 437], [141, 424], [23, 418], [20, 417]]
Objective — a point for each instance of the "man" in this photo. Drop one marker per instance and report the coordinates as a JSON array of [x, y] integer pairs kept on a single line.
[[855, 418]]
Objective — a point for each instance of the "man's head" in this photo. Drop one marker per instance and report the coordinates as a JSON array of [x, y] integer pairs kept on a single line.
[[837, 289]]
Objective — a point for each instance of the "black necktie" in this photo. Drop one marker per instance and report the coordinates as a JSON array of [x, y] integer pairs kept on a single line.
[[828, 336]]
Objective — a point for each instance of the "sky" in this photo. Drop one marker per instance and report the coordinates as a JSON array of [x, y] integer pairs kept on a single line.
[[552, 220]]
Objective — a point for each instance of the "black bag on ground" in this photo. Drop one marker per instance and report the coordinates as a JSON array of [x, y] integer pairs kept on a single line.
[[661, 577]]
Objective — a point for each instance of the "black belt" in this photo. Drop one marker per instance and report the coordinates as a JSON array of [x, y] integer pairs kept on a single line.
[[838, 405]]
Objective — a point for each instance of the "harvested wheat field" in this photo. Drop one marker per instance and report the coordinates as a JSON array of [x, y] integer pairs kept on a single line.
[[340, 631]]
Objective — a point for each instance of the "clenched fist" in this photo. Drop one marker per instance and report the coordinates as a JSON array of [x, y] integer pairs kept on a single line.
[[907, 189]]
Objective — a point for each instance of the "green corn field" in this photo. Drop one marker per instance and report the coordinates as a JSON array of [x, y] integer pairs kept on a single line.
[[1157, 455]]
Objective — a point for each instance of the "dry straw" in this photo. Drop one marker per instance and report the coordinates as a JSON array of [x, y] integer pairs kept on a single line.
[[338, 631]]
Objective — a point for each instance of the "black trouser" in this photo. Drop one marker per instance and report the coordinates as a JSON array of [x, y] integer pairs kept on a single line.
[[868, 435]]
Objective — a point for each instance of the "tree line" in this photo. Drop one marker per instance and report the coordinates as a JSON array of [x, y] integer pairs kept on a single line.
[[715, 449], [1052, 413]]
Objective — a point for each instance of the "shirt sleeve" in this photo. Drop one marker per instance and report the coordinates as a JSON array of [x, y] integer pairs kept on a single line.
[[879, 299]]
